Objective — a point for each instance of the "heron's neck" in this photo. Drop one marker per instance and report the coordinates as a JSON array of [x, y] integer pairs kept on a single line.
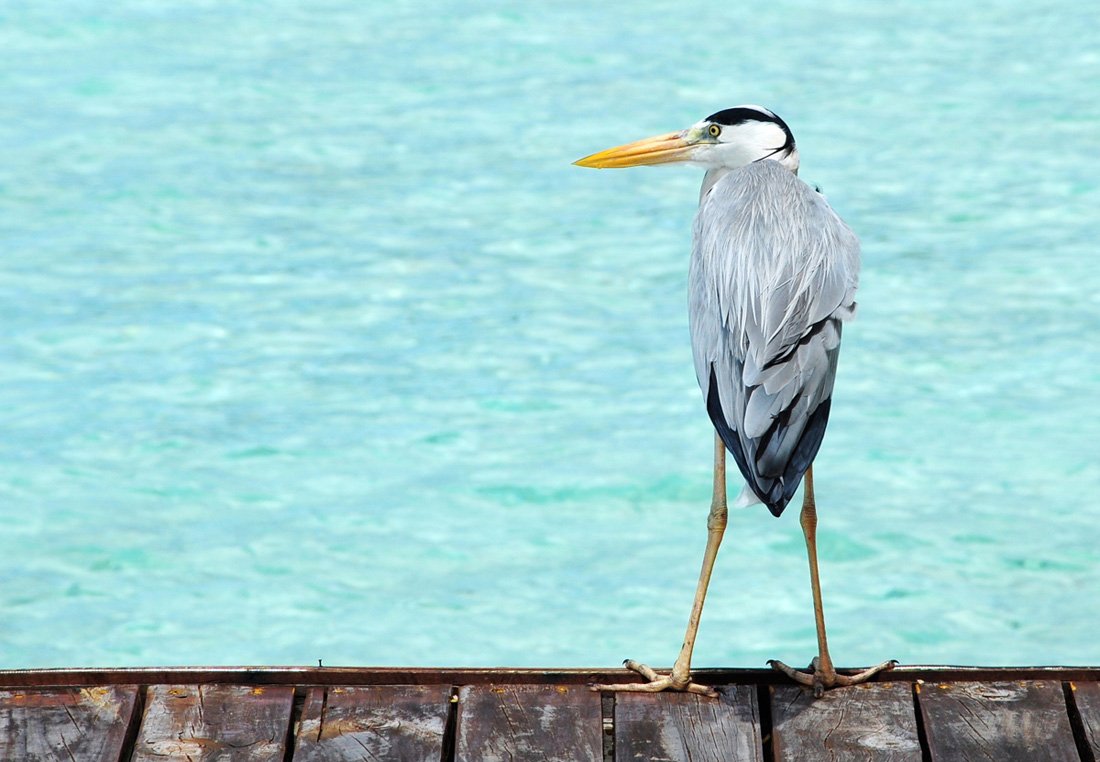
[[714, 175], [710, 178]]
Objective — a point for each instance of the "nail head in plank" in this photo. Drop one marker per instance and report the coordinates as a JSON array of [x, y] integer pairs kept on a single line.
[[228, 723], [873, 721], [999, 720], [550, 723], [84, 724], [404, 722], [672, 726], [1087, 696]]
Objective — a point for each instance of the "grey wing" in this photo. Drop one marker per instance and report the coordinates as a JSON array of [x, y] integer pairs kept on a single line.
[[773, 275]]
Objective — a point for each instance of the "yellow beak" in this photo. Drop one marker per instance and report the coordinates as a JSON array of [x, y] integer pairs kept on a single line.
[[660, 149]]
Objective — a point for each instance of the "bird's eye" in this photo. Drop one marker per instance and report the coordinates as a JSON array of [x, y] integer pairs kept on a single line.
[[714, 130]]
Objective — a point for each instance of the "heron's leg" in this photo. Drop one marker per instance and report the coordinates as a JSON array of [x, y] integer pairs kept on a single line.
[[680, 678], [824, 675]]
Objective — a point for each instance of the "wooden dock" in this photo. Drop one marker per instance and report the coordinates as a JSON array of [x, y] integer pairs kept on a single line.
[[920, 714]]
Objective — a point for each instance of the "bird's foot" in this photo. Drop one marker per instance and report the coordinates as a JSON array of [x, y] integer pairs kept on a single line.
[[657, 683], [823, 679]]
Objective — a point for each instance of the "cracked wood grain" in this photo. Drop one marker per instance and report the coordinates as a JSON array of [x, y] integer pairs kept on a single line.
[[214, 723], [77, 724], [874, 721], [550, 723], [1024, 720], [385, 722], [669, 727]]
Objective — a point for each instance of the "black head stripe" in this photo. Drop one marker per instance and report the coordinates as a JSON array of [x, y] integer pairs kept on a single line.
[[741, 114], [732, 116]]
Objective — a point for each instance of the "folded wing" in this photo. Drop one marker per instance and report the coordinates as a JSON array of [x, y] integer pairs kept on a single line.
[[773, 275]]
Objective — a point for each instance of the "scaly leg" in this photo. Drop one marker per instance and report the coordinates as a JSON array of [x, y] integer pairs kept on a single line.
[[680, 678], [823, 675]]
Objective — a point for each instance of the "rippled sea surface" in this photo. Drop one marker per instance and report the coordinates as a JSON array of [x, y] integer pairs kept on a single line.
[[315, 345]]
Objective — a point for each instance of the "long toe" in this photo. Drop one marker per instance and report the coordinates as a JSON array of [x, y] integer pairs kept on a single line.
[[656, 683], [822, 680], [866, 674]]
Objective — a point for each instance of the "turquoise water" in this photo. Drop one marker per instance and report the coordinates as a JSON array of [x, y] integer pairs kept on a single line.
[[316, 346]]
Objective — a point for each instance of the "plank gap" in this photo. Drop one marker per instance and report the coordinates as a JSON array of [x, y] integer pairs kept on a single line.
[[1084, 748], [133, 727], [922, 734], [295, 718], [324, 712], [607, 712], [450, 728], [764, 709]]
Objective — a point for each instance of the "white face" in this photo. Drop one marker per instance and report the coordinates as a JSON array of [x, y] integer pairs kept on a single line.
[[736, 145]]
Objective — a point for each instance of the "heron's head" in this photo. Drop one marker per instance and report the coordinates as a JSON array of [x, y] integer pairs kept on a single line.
[[725, 140]]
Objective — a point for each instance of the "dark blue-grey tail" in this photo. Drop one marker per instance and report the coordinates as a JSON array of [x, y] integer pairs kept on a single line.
[[774, 491]]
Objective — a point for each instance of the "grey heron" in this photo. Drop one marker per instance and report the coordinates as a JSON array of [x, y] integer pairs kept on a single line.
[[773, 277]]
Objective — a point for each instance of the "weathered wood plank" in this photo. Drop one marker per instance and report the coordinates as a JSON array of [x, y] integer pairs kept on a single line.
[[85, 724], [399, 722], [1087, 696], [670, 727], [1000, 720], [874, 721], [553, 723], [203, 723], [346, 676]]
